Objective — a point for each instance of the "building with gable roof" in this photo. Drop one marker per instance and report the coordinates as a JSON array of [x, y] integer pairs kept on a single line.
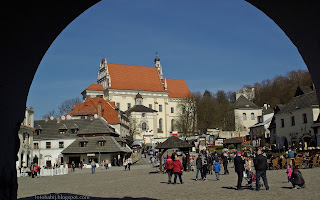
[[295, 120], [121, 83], [95, 105], [246, 114]]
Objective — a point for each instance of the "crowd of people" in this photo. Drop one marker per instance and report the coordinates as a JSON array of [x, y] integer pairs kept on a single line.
[[243, 162]]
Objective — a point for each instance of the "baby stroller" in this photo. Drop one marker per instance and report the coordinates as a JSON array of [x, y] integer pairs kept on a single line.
[[251, 178]]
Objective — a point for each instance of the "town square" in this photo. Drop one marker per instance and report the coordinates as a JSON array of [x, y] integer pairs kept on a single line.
[[160, 100]]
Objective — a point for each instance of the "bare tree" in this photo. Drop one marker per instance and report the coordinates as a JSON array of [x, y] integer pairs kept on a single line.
[[67, 105], [133, 127], [49, 114], [187, 109]]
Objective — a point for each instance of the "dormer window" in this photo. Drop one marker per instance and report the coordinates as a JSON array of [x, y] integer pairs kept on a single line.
[[74, 131], [101, 143], [63, 129], [83, 144]]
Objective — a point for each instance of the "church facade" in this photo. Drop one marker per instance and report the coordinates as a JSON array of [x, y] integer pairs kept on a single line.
[[160, 96]]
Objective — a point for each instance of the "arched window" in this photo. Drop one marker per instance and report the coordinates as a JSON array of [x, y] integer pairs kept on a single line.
[[252, 116], [172, 125], [144, 126], [244, 116], [160, 126]]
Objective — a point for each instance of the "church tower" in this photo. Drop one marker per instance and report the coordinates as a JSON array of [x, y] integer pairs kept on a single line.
[[103, 74], [158, 66], [139, 99]]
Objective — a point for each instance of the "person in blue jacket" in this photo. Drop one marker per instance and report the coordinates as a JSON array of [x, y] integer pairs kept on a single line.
[[216, 169]]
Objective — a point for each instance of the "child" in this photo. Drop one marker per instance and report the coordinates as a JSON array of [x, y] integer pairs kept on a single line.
[[216, 169], [289, 172]]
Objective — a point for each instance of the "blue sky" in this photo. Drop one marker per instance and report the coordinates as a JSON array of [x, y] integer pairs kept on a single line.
[[212, 44]]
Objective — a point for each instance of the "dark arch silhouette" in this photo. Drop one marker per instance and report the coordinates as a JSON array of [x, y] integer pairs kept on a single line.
[[30, 27]]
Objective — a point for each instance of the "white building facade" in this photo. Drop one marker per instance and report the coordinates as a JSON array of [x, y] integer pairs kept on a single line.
[[295, 120], [123, 82]]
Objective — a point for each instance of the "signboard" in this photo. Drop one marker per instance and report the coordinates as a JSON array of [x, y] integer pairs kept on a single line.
[[174, 133], [218, 142], [91, 154]]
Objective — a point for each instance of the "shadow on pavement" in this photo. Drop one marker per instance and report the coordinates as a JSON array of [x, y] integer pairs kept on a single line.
[[234, 188], [76, 196], [287, 187], [153, 172]]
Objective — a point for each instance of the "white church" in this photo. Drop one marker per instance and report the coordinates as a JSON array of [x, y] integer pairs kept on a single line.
[[150, 99]]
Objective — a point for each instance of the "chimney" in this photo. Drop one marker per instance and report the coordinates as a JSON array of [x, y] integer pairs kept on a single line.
[[58, 119], [47, 119], [99, 110]]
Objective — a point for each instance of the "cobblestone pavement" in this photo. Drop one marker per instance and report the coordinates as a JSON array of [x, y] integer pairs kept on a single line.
[[142, 182]]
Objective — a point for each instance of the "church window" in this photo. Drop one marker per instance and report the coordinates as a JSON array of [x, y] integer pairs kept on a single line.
[[61, 144], [160, 108], [172, 109], [160, 126], [244, 116], [36, 146], [118, 105], [129, 105], [144, 126], [172, 125], [150, 106], [252, 116]]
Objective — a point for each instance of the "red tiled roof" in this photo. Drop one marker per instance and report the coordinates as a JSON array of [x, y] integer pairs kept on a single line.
[[90, 107], [178, 88], [95, 87], [130, 77]]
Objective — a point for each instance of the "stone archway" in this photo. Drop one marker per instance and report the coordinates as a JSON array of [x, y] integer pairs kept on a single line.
[[30, 27]]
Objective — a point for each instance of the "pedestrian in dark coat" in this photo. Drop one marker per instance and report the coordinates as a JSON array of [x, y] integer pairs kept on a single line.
[[199, 166], [261, 166], [239, 168], [225, 163], [184, 163], [297, 179]]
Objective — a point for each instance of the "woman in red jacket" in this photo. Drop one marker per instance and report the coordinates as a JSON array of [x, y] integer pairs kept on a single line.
[[177, 170], [35, 170]]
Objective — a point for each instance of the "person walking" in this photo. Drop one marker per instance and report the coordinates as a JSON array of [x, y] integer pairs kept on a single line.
[[153, 160], [184, 162], [210, 163], [239, 168], [261, 165], [204, 167], [129, 163], [199, 166], [225, 163], [93, 167], [35, 170], [107, 163], [125, 164], [216, 169], [81, 164], [177, 170], [168, 166], [73, 165]]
